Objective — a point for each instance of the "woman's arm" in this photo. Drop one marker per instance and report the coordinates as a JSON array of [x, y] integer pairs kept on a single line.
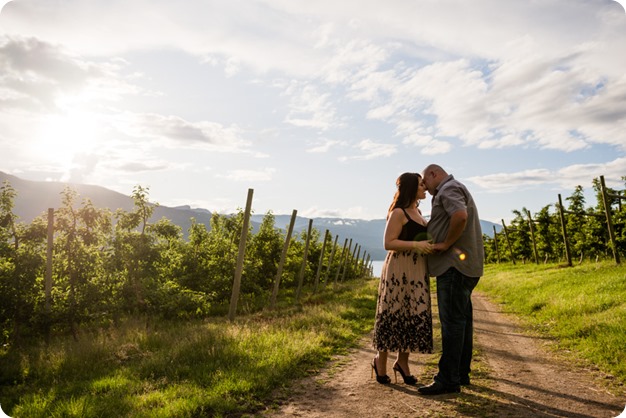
[[392, 233]]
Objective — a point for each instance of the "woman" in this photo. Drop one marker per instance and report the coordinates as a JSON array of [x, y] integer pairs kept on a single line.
[[403, 313]]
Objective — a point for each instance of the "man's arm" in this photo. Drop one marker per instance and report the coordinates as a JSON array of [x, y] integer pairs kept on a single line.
[[458, 220]]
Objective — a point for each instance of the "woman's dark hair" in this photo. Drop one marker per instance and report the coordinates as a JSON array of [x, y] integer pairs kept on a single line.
[[407, 185]]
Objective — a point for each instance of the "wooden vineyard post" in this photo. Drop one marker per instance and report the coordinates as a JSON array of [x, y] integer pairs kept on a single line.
[[283, 256], [344, 262], [495, 241], [568, 255], [304, 260], [242, 250], [350, 260], [330, 260], [343, 251], [321, 262], [363, 263], [508, 241], [532, 236], [609, 220], [355, 261]]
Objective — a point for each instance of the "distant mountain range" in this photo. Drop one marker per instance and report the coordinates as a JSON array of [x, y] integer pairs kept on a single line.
[[35, 197]]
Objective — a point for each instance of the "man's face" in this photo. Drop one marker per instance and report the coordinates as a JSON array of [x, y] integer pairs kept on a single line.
[[428, 177]]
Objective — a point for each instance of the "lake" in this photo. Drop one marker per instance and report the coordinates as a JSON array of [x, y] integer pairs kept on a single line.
[[377, 267]]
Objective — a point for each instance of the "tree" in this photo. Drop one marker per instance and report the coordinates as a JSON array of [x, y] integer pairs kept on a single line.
[[134, 257], [262, 257], [548, 237], [576, 221], [520, 238], [81, 237]]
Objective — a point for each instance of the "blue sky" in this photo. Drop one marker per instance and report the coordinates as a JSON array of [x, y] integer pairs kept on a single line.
[[316, 105]]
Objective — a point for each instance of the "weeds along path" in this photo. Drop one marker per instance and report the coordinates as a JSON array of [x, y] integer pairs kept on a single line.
[[515, 375]]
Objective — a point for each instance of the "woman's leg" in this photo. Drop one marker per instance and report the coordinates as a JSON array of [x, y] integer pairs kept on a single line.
[[381, 363], [403, 361]]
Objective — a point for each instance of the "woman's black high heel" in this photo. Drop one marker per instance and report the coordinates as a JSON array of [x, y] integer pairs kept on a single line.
[[384, 379], [408, 380]]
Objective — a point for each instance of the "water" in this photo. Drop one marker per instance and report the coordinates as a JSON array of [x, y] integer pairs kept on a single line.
[[377, 267]]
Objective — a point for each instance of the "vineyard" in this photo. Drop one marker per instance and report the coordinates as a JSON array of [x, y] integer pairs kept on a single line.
[[148, 310], [560, 232], [80, 265], [83, 266]]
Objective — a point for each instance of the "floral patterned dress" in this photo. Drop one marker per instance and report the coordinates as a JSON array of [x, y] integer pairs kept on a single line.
[[403, 312]]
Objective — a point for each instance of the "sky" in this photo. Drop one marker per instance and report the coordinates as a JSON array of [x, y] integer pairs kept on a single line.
[[317, 106]]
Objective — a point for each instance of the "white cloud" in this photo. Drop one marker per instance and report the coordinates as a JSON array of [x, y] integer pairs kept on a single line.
[[39, 76], [178, 132], [249, 175], [449, 78], [370, 150], [566, 177], [310, 108], [323, 146]]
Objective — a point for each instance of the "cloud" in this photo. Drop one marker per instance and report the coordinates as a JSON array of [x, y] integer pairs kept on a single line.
[[621, 3], [499, 79], [429, 78], [310, 108], [249, 175], [174, 131], [370, 150], [39, 76], [323, 146], [566, 177], [139, 166], [355, 212]]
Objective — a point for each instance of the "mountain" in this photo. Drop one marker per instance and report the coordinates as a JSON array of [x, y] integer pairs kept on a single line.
[[35, 197]]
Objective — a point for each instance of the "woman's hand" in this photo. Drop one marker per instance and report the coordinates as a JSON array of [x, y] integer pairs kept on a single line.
[[424, 247]]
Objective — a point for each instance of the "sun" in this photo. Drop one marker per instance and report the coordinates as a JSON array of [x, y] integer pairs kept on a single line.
[[65, 136]]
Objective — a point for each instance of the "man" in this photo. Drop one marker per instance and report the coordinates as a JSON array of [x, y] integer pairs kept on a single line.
[[457, 262]]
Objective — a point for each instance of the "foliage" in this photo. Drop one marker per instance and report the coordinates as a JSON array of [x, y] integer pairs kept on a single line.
[[106, 267], [586, 229]]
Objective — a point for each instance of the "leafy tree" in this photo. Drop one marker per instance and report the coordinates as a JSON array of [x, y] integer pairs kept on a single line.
[[576, 221], [548, 238], [315, 248], [81, 236], [620, 221], [134, 257], [9, 282], [222, 247], [617, 217], [195, 269], [520, 236], [262, 257]]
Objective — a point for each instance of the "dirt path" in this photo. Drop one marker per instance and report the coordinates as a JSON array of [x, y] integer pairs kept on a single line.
[[514, 375]]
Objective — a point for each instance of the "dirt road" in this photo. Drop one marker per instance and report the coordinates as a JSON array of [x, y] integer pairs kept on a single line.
[[515, 375]]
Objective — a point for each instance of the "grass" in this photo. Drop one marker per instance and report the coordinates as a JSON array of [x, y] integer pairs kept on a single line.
[[583, 308], [219, 368], [192, 369]]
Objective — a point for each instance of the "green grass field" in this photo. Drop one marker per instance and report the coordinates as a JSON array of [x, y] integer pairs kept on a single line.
[[218, 368], [185, 369], [583, 308]]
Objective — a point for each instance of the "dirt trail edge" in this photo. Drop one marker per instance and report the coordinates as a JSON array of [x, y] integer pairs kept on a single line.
[[515, 376]]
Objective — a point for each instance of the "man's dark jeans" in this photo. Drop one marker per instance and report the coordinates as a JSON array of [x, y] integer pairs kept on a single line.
[[454, 291]]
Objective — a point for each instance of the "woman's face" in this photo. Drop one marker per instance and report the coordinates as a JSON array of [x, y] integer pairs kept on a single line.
[[421, 190]]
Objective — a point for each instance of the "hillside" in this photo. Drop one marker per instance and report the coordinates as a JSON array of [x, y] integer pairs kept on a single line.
[[35, 197]]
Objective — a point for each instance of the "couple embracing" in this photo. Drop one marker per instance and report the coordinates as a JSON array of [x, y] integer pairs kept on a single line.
[[449, 247]]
